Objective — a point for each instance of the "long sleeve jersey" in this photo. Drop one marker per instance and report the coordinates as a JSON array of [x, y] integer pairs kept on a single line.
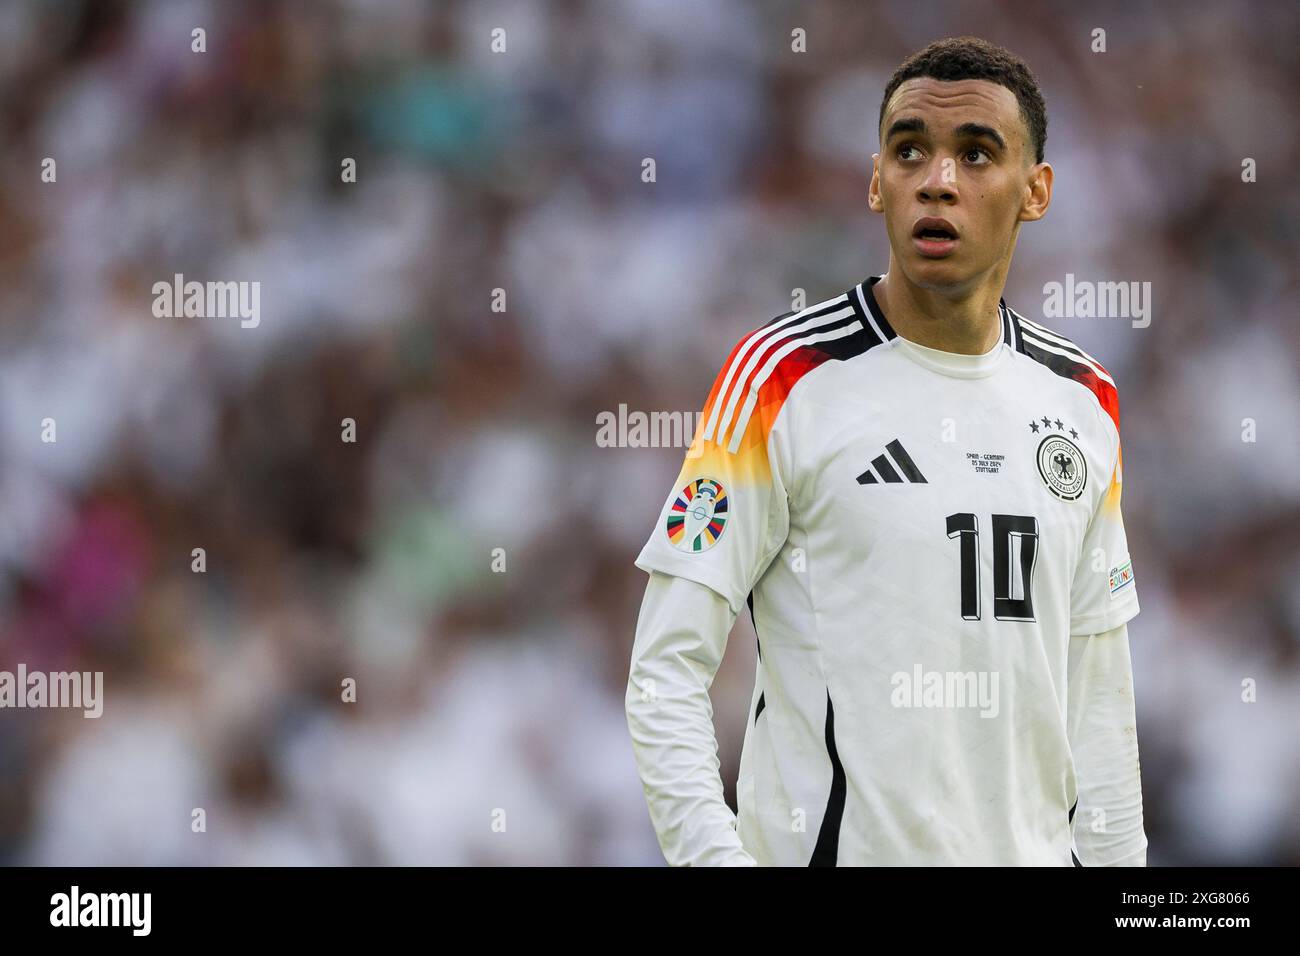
[[932, 551]]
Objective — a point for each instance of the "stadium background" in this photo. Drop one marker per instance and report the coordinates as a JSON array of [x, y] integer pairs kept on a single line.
[[477, 429]]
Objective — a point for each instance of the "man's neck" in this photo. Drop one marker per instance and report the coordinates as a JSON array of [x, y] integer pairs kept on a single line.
[[967, 325]]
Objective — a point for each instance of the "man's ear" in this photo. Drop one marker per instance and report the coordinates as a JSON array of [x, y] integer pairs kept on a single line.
[[874, 202], [1038, 193]]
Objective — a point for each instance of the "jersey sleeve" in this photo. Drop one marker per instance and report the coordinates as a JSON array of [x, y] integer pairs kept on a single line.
[[1102, 730], [681, 635], [727, 513], [1104, 592]]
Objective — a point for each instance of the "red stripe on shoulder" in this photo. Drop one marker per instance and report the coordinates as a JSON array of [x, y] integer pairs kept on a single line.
[[1107, 394], [1077, 369], [772, 392]]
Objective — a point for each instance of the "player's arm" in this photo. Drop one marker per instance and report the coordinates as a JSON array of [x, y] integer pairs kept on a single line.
[[1101, 718], [680, 638], [1102, 727], [721, 525]]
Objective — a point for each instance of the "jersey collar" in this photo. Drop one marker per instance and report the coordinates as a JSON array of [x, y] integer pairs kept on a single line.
[[945, 363]]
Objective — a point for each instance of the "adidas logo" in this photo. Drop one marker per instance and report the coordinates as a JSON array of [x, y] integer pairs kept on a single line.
[[886, 468]]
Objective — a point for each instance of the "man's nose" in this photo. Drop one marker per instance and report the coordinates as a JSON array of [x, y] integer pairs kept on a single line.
[[940, 182]]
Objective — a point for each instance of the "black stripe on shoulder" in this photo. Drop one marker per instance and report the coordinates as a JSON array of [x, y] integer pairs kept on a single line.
[[1066, 359], [868, 311], [847, 347], [811, 354], [1062, 365], [844, 347], [1015, 330], [825, 308], [840, 349], [1054, 339], [1035, 339]]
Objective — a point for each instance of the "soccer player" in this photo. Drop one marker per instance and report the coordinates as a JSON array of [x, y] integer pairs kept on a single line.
[[916, 491]]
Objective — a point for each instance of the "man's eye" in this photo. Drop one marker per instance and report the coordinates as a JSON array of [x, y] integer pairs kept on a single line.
[[980, 156], [905, 150]]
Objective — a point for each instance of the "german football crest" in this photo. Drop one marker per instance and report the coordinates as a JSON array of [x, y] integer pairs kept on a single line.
[[1062, 466], [696, 519]]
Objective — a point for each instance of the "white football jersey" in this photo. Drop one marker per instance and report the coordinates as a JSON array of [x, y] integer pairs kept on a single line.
[[917, 534]]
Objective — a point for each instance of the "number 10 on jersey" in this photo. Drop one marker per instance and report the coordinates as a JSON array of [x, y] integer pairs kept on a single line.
[[1015, 551]]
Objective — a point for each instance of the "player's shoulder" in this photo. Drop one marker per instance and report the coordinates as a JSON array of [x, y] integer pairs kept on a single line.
[[769, 360], [1061, 355], [818, 326]]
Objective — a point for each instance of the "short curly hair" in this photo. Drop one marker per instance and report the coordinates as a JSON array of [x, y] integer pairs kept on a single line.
[[970, 58]]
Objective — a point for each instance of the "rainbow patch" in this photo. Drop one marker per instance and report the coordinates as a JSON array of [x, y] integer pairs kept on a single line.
[[698, 516]]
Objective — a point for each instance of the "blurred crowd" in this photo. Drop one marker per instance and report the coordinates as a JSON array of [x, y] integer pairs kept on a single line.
[[497, 276]]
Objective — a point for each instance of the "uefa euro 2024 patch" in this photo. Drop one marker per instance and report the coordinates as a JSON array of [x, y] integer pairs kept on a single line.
[[1121, 576], [698, 515]]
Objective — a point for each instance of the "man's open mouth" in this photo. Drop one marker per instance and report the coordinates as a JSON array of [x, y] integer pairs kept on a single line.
[[934, 229], [934, 238]]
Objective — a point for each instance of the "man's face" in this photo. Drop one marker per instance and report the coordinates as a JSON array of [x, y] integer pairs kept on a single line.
[[955, 159]]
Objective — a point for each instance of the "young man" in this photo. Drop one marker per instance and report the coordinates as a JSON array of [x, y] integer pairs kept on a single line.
[[916, 491]]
